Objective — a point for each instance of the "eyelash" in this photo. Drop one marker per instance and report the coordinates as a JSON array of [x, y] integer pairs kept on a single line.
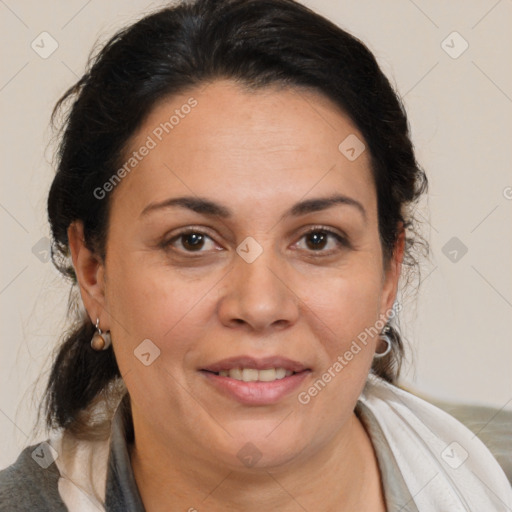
[[341, 240]]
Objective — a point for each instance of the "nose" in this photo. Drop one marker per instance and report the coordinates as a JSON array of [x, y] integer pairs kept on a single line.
[[258, 295]]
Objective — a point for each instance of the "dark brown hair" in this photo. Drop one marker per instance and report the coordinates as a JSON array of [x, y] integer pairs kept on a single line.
[[256, 43]]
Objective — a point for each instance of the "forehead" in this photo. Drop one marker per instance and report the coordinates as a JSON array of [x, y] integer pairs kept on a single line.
[[269, 144]]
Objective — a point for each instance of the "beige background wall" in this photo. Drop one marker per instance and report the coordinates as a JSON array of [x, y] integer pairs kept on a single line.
[[460, 105]]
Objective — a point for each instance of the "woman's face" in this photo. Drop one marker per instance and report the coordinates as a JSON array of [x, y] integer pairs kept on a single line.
[[209, 258]]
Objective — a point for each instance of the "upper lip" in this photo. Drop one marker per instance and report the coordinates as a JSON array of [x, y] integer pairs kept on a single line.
[[256, 364]]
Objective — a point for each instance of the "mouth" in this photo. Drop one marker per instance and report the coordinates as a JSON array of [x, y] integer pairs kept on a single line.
[[256, 381], [251, 369], [253, 375]]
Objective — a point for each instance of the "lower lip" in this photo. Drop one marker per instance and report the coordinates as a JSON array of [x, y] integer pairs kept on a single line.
[[256, 393]]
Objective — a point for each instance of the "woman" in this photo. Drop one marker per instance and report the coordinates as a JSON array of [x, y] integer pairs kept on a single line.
[[234, 202]]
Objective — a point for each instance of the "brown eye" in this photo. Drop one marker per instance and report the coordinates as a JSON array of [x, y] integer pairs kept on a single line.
[[192, 241], [316, 240], [323, 241]]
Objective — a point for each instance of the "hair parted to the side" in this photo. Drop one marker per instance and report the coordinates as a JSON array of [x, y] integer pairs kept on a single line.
[[256, 43]]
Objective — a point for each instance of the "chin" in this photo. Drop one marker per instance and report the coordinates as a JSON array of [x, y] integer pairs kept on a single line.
[[261, 450]]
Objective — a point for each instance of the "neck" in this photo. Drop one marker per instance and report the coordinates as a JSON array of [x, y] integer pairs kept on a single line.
[[346, 467]]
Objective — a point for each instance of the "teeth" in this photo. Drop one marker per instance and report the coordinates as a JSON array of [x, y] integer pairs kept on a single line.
[[235, 373], [252, 375]]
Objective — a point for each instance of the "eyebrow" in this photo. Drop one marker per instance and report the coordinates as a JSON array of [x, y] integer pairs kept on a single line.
[[205, 206]]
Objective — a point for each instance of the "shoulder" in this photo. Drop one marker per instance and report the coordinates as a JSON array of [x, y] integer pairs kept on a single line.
[[432, 447], [492, 426], [31, 482]]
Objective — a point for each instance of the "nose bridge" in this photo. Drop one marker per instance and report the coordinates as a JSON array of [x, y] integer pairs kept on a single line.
[[256, 294]]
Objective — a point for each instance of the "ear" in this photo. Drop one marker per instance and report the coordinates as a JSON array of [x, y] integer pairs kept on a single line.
[[90, 275], [392, 274]]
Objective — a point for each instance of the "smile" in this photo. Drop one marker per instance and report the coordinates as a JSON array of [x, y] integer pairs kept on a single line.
[[253, 375], [256, 387]]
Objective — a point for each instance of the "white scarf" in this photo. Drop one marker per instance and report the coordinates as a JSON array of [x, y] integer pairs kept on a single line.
[[444, 465]]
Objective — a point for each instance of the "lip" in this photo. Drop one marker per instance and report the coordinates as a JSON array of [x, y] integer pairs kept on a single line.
[[256, 364], [256, 393]]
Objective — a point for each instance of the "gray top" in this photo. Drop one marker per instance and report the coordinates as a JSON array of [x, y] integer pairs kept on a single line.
[[25, 485]]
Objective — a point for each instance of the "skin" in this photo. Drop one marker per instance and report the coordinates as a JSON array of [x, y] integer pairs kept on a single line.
[[256, 153]]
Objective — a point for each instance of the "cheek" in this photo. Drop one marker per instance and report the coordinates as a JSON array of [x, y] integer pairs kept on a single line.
[[346, 304], [150, 302], [346, 312], [155, 306], [342, 314]]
